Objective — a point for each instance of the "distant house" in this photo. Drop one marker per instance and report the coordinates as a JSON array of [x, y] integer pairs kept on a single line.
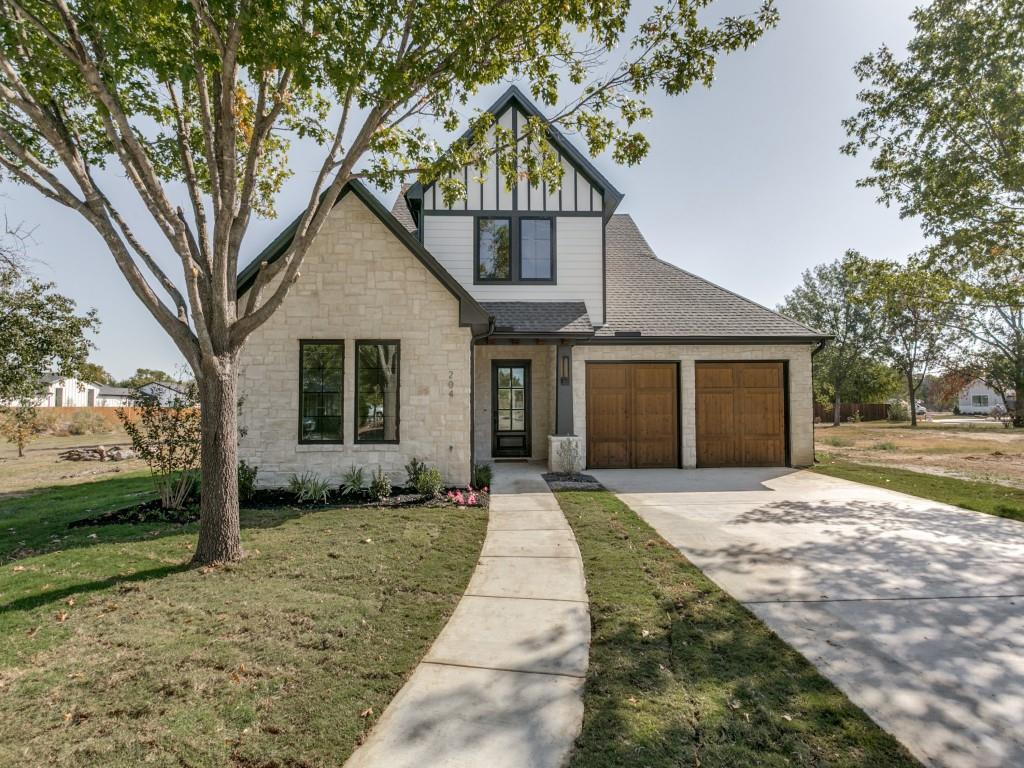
[[115, 397], [61, 392], [979, 398], [165, 392]]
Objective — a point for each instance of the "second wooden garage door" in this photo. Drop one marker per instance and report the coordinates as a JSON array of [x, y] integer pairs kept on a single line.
[[632, 415], [741, 417]]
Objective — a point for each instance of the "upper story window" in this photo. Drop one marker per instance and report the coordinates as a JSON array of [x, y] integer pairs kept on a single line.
[[515, 249], [494, 247], [535, 249]]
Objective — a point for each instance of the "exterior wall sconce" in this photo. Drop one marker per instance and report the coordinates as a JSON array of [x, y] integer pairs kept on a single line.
[[564, 369]]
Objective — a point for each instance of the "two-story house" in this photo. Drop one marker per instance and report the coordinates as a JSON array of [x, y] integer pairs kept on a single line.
[[507, 324]]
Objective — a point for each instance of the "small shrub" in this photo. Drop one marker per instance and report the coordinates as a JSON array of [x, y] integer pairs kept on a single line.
[[886, 446], [430, 483], [413, 470], [308, 488], [87, 423], [353, 482], [855, 418], [168, 439], [899, 411], [246, 480], [467, 498], [482, 475], [956, 409], [380, 486], [19, 424]]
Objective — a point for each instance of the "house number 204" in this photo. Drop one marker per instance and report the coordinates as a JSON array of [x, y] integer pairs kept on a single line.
[[451, 384]]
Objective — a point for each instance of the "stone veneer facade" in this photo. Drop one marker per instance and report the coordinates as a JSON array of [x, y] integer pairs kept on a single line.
[[797, 356], [359, 281]]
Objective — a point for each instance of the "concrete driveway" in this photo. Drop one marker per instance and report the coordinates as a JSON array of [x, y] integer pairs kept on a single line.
[[915, 609]]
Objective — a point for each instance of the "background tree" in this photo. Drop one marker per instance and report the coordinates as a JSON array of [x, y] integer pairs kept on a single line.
[[19, 424], [210, 93], [945, 130], [145, 376], [95, 373], [830, 298], [912, 320], [40, 333]]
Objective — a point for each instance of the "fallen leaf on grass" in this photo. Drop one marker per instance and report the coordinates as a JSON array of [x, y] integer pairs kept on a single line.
[[366, 712], [70, 601], [32, 632], [61, 617], [787, 717]]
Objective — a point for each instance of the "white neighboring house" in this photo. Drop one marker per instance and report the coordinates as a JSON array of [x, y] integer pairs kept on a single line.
[[115, 397], [165, 392], [979, 398], [60, 392]]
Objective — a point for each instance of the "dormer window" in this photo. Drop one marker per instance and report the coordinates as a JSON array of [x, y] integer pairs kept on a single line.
[[515, 249]]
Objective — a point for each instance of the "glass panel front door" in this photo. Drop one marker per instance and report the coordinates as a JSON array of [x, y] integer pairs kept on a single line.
[[511, 389]]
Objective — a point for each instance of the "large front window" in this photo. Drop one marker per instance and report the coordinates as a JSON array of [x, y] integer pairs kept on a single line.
[[494, 248], [321, 366], [376, 391], [980, 401]]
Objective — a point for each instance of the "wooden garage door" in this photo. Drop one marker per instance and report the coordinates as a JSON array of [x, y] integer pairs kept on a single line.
[[632, 415], [741, 417]]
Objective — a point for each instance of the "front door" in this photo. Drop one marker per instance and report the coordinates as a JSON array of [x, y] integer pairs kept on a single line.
[[510, 386]]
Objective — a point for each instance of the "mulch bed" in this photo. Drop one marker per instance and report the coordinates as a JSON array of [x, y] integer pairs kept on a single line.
[[562, 481], [264, 498]]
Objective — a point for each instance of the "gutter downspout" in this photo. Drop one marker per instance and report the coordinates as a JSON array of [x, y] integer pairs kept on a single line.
[[472, 392]]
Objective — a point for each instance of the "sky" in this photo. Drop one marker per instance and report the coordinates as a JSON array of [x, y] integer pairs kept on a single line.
[[744, 184]]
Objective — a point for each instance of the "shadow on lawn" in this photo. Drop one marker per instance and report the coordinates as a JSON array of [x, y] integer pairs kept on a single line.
[[38, 599], [36, 522]]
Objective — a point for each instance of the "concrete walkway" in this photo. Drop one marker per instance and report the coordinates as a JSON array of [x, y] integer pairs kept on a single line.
[[502, 686], [914, 609]]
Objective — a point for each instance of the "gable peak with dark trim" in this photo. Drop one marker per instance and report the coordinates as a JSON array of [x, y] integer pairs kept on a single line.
[[516, 101]]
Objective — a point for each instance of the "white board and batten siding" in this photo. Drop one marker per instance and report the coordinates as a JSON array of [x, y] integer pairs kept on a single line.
[[579, 242], [578, 262], [576, 194]]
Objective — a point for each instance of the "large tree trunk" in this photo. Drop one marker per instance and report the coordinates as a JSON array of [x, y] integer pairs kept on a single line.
[[219, 534], [912, 399], [837, 408], [1018, 405]]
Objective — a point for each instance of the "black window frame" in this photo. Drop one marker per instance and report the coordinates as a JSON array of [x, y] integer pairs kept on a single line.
[[514, 219], [303, 343], [398, 393], [476, 250], [551, 250]]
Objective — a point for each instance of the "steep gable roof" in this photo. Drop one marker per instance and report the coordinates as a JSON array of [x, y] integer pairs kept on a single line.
[[513, 97], [470, 312], [650, 298]]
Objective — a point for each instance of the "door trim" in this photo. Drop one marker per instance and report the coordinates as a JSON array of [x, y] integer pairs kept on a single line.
[[528, 404]]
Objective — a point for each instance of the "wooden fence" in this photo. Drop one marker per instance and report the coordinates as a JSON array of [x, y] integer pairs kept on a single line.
[[868, 412]]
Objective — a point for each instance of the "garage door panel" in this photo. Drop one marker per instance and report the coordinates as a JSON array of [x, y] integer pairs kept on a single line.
[[713, 376], [742, 424], [754, 375], [632, 415]]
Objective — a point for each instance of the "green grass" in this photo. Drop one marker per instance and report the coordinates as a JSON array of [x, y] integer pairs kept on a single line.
[[977, 495], [837, 442], [682, 675], [113, 652]]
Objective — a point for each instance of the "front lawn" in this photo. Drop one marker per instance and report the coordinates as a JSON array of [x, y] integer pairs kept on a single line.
[[682, 675], [113, 652], [990, 498]]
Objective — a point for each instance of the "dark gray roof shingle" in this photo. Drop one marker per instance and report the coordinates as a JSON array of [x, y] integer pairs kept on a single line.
[[655, 298], [539, 316], [401, 211]]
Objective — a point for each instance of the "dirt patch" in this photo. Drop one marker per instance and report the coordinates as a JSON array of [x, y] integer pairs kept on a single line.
[[993, 454]]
